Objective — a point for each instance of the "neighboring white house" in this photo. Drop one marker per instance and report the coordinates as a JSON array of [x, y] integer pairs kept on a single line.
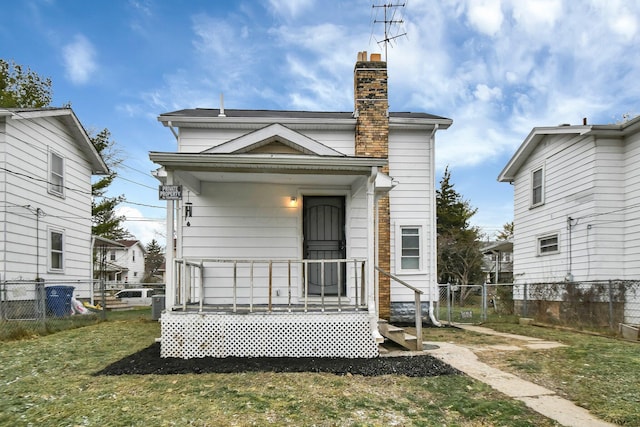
[[122, 262], [577, 203], [277, 219], [46, 164]]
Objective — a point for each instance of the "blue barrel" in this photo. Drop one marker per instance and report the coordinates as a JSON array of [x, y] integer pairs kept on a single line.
[[59, 300]]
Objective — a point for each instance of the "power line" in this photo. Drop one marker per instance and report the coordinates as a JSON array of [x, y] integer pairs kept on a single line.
[[24, 175], [134, 182]]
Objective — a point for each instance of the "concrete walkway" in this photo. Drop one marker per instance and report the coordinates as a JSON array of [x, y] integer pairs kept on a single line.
[[538, 398]]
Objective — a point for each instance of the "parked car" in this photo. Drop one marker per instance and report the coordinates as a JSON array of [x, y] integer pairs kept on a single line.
[[137, 296]]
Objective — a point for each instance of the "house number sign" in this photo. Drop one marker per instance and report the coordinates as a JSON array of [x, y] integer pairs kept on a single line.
[[170, 192]]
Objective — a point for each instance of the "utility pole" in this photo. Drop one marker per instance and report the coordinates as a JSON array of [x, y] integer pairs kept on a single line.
[[389, 21]]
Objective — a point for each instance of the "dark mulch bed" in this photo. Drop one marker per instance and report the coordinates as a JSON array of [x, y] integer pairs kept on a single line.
[[148, 361]]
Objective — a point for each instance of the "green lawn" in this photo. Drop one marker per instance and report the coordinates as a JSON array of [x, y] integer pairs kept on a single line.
[[49, 381]]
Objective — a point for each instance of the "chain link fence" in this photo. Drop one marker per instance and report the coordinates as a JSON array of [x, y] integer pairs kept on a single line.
[[37, 307], [600, 306]]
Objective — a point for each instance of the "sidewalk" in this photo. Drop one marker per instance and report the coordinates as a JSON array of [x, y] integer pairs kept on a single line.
[[540, 399]]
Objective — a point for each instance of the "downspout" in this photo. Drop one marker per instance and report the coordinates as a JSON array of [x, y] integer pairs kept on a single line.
[[433, 260], [93, 245]]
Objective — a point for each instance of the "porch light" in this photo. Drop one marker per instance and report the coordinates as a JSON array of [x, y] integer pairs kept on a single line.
[[293, 202]]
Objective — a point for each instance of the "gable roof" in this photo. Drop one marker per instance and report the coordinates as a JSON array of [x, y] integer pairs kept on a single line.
[[274, 133], [70, 120], [537, 134], [129, 243]]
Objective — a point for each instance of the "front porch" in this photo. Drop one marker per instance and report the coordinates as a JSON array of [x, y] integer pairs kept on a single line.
[[269, 308]]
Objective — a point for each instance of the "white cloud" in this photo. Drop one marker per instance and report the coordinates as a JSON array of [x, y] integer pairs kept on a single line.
[[141, 228], [290, 8], [537, 16], [485, 93], [485, 15], [625, 24], [79, 59]]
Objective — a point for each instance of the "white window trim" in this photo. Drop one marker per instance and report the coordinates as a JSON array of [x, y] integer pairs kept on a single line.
[[541, 237], [422, 227], [50, 184], [542, 187], [50, 268]]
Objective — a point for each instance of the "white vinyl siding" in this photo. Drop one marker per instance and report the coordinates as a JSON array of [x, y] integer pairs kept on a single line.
[[596, 183], [256, 221], [31, 208], [411, 166]]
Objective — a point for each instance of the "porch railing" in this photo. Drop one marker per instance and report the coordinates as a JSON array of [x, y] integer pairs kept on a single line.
[[416, 292], [194, 287]]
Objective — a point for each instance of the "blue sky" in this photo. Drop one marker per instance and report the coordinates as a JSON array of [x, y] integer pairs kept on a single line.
[[497, 68]]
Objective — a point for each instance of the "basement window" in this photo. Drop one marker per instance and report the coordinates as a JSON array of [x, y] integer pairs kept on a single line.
[[548, 244]]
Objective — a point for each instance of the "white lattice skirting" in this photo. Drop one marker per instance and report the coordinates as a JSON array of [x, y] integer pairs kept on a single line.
[[191, 335]]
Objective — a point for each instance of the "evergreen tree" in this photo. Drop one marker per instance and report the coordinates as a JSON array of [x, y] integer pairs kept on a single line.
[[459, 246], [507, 231], [105, 222], [153, 262], [21, 88]]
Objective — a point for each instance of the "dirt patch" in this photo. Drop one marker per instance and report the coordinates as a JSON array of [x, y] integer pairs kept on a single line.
[[148, 361]]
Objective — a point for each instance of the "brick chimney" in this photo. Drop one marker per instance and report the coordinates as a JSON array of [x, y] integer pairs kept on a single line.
[[371, 106], [372, 140]]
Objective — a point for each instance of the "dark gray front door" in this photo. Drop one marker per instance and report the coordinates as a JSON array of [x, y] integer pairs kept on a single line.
[[323, 225]]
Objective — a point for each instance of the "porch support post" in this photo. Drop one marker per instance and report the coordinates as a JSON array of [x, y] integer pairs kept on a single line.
[[371, 253], [170, 278]]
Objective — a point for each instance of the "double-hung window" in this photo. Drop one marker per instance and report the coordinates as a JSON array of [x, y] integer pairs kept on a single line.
[[56, 174], [410, 250], [537, 187], [56, 250]]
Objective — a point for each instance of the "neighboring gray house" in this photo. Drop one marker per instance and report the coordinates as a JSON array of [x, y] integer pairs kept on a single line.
[[577, 204], [46, 164], [283, 220], [497, 261]]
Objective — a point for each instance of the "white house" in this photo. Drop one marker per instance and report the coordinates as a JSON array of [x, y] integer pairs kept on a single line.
[[576, 204], [275, 216], [46, 164], [124, 262]]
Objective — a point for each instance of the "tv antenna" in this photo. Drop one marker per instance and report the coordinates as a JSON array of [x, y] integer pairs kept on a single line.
[[388, 21]]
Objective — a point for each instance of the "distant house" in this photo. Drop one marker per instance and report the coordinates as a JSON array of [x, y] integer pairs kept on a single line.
[[497, 261], [46, 164], [576, 204], [122, 262], [284, 220]]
